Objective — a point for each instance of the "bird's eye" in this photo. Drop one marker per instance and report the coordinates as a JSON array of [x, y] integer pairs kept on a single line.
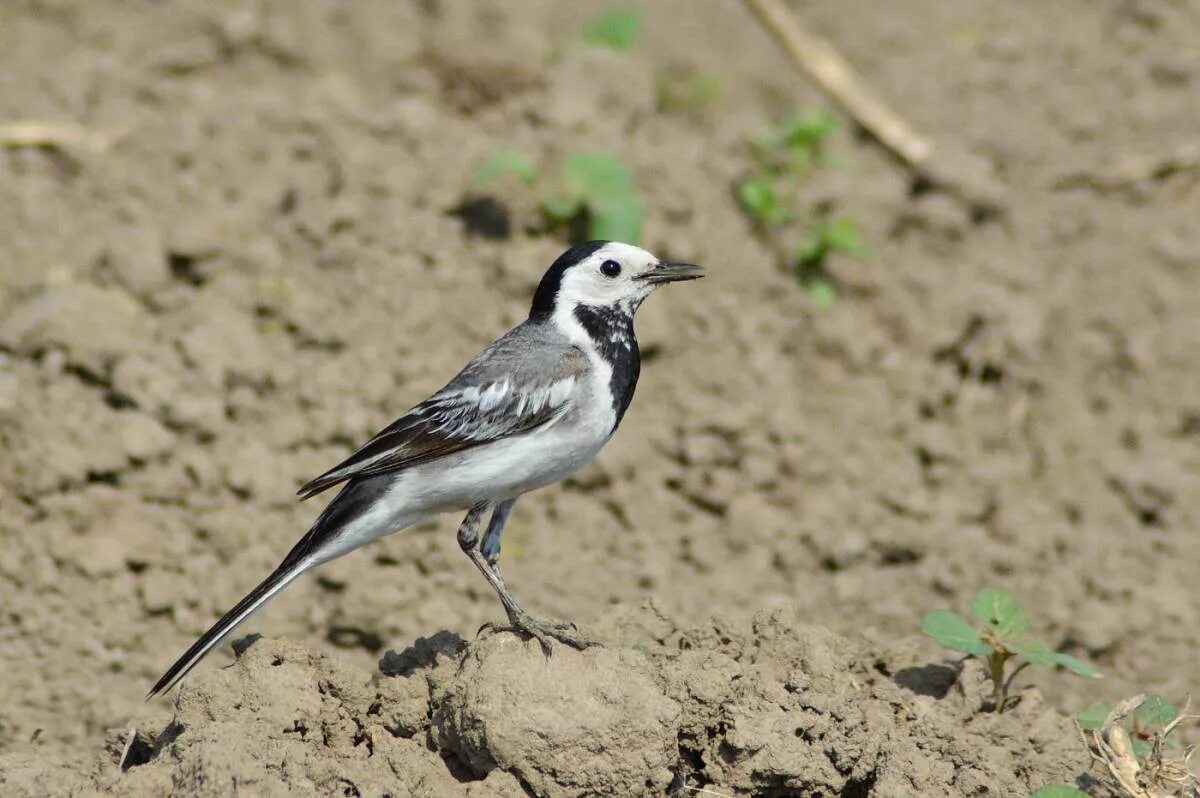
[[610, 268]]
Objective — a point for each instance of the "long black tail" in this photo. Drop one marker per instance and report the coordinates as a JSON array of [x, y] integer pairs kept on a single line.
[[254, 600], [317, 546]]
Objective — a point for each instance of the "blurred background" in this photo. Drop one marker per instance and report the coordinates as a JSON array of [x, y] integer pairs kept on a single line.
[[237, 238]]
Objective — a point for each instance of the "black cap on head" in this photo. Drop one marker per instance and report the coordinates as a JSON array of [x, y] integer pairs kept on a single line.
[[543, 298]]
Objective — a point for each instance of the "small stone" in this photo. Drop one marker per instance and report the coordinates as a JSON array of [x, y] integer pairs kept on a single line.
[[158, 591], [142, 436]]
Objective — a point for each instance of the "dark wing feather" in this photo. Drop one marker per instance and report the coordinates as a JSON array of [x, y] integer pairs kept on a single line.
[[502, 392]]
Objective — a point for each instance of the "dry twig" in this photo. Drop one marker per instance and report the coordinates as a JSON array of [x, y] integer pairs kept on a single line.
[[1132, 171], [837, 78], [67, 138], [961, 176], [1155, 776]]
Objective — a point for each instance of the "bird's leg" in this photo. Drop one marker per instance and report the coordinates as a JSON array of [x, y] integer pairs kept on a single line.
[[470, 542], [490, 545]]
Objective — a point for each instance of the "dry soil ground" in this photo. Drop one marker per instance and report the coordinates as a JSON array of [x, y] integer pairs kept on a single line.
[[250, 261]]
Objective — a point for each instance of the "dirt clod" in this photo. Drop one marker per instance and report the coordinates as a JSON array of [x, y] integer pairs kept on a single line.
[[789, 709], [573, 723]]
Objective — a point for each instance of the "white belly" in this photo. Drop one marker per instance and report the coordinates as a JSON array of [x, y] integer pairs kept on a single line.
[[503, 469], [521, 463], [492, 472]]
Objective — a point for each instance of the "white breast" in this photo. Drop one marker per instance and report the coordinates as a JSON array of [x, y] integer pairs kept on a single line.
[[518, 464]]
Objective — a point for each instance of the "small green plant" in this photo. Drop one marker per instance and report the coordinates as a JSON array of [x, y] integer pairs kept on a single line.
[[1003, 638], [597, 188], [601, 186], [1059, 791], [818, 240], [617, 28], [784, 157], [796, 144], [825, 235]]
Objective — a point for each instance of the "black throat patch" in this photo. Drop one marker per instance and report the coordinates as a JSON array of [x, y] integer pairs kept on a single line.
[[612, 332]]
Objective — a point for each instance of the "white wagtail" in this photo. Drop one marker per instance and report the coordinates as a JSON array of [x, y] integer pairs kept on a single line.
[[529, 410]]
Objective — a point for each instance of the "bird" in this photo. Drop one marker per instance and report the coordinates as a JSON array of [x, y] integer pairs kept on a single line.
[[530, 409]]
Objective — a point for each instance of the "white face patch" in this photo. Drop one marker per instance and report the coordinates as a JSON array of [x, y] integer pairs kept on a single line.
[[586, 283]]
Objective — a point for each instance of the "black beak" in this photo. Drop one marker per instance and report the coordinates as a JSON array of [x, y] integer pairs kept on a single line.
[[672, 273]]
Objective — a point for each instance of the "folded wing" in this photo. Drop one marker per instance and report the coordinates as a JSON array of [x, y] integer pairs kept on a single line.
[[500, 393]]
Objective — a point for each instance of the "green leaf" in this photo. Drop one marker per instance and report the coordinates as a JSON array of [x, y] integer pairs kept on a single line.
[[1094, 716], [1033, 651], [1038, 653], [560, 208], [617, 28], [811, 248], [595, 175], [758, 199], [824, 293], [1140, 747], [1157, 711], [1058, 791], [806, 129], [502, 163], [604, 185], [1076, 665], [954, 632], [842, 236], [1000, 612], [617, 219]]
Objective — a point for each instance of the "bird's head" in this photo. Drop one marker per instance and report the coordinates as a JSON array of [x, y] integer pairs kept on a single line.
[[605, 275]]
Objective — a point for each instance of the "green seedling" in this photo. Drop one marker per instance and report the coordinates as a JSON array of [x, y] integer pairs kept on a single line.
[[618, 29], [601, 186], [761, 201], [825, 236], [784, 157], [818, 240], [1059, 791], [1003, 638], [796, 144], [597, 188]]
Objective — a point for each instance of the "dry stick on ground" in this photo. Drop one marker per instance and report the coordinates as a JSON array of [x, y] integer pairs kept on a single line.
[[834, 75], [1135, 170], [1154, 776], [63, 137], [837, 78]]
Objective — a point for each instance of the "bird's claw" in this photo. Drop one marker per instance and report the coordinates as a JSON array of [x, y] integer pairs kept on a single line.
[[543, 631]]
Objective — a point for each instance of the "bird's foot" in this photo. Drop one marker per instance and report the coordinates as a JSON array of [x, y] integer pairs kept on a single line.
[[544, 630]]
